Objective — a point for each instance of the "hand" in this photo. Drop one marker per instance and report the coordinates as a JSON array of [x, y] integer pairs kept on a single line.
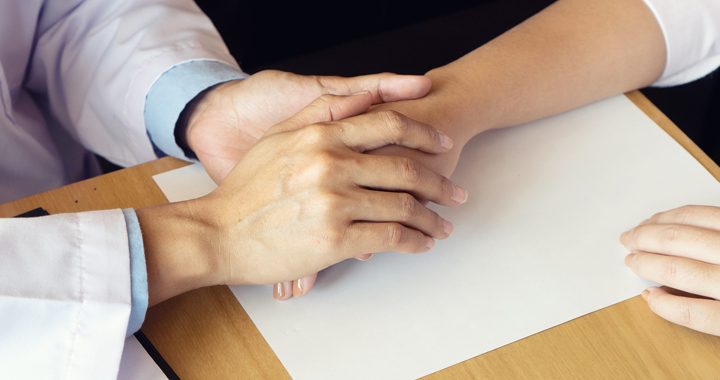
[[432, 110], [306, 196], [680, 249], [229, 119]]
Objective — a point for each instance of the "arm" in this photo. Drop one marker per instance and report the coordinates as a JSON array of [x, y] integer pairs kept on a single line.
[[576, 52], [95, 62], [284, 212], [65, 295], [572, 53], [114, 73]]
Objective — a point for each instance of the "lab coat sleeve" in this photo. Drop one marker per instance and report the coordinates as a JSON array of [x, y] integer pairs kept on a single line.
[[96, 60], [692, 37], [65, 295]]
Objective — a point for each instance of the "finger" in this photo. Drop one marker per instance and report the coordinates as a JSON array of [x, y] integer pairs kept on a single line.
[[385, 237], [385, 87], [324, 109], [677, 272], [365, 256], [697, 216], [378, 129], [303, 285], [407, 175], [674, 239], [698, 314], [380, 206], [282, 290]]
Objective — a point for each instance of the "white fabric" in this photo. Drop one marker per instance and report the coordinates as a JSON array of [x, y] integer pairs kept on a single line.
[[692, 37], [64, 296], [77, 71], [89, 64]]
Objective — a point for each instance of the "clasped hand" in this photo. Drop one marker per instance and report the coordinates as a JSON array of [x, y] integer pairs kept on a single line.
[[306, 196]]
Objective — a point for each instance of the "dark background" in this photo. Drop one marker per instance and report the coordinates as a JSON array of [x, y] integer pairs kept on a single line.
[[352, 38]]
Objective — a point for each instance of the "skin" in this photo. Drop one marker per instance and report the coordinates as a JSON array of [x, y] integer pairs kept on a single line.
[[231, 118], [304, 197], [680, 249], [570, 54]]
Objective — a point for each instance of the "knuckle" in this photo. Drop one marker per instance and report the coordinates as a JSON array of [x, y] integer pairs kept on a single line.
[[394, 235], [324, 165], [329, 200], [330, 206], [325, 99], [681, 215], [315, 134], [396, 123], [409, 170], [331, 240], [669, 235], [447, 187], [685, 313], [334, 239], [670, 270], [656, 216], [407, 205]]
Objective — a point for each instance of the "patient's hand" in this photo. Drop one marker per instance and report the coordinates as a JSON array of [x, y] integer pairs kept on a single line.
[[227, 121], [680, 249]]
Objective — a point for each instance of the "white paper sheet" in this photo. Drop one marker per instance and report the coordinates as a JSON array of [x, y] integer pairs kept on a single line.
[[136, 363], [536, 246]]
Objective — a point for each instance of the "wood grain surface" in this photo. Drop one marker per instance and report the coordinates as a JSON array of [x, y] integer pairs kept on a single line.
[[206, 334]]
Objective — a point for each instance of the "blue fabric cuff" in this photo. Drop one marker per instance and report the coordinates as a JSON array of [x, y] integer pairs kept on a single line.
[[175, 88], [138, 272]]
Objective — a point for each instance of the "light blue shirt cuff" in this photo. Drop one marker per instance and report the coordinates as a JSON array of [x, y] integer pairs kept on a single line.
[[138, 272], [175, 88]]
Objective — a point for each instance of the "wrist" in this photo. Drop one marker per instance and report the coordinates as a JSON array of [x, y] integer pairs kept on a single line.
[[186, 131], [458, 106], [178, 252]]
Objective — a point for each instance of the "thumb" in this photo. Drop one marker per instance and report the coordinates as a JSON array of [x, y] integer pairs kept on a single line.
[[324, 109], [385, 87]]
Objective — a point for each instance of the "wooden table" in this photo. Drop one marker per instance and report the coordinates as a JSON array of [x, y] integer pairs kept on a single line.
[[206, 334]]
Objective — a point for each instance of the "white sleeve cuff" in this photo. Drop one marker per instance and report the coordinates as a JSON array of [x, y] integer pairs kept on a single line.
[[692, 38]]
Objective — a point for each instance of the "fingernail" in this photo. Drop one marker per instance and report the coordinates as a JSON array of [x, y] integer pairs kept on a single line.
[[447, 227], [445, 141], [430, 243], [629, 259], [279, 291], [300, 287], [625, 237], [645, 294], [365, 257], [459, 194]]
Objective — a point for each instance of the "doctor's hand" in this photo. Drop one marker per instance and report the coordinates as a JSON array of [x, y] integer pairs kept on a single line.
[[680, 249], [432, 110], [305, 197], [227, 120]]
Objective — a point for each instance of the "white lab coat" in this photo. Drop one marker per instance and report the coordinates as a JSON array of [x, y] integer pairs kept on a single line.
[[73, 70], [87, 66]]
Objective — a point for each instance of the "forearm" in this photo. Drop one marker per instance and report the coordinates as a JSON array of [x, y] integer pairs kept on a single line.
[[572, 53], [177, 256]]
